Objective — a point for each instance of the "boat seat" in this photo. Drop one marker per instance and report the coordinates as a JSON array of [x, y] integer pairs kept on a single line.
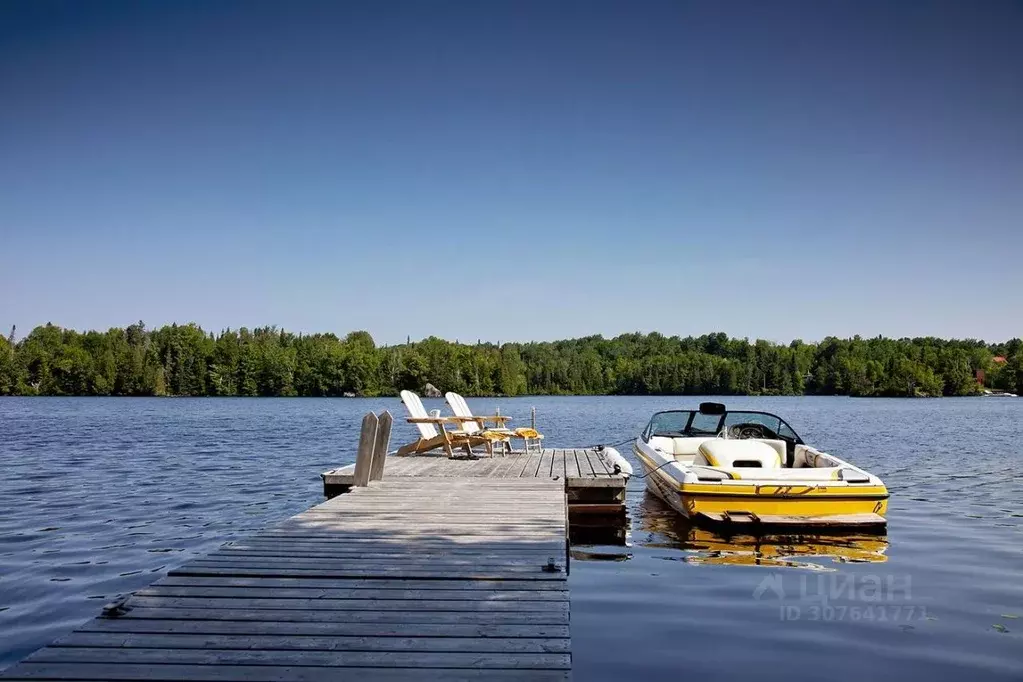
[[680, 446], [736, 454], [780, 446]]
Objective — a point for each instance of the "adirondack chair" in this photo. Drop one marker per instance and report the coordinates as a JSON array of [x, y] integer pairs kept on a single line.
[[433, 434], [531, 438]]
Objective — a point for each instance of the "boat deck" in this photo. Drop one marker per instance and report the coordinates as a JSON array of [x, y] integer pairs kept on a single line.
[[412, 577]]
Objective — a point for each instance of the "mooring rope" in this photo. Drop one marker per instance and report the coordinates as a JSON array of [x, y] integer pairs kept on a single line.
[[611, 445]]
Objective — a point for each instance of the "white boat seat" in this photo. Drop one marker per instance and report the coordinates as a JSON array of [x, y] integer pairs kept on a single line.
[[738, 454], [680, 446], [780, 446]]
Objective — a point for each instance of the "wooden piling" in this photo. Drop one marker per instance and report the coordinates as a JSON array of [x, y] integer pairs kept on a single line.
[[383, 440], [364, 457]]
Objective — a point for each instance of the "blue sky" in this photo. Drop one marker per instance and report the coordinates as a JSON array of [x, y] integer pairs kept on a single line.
[[514, 171]]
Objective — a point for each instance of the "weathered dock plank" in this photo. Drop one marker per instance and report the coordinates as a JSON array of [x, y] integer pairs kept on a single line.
[[191, 581], [407, 578], [268, 673], [555, 633], [314, 643], [339, 659]]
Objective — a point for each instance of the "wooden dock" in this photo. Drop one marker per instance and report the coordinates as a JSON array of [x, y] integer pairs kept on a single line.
[[452, 576], [428, 568], [591, 483]]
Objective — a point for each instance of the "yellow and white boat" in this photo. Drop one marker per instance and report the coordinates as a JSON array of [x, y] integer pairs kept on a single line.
[[746, 467]]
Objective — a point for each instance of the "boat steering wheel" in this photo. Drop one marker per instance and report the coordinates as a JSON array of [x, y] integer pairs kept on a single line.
[[748, 430]]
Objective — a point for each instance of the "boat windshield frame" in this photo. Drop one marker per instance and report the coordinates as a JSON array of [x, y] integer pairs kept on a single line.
[[723, 420]]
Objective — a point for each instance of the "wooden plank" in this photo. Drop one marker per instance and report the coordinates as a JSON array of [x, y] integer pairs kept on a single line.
[[463, 483], [325, 628], [342, 593], [442, 573], [455, 544], [340, 659], [511, 532], [601, 482], [523, 460], [442, 490], [428, 466], [381, 514], [574, 469], [526, 565], [415, 642], [410, 466], [571, 464], [486, 467], [364, 458], [386, 521], [412, 539], [366, 496], [546, 469], [437, 528], [314, 616], [600, 466], [463, 585], [365, 518], [266, 673], [408, 540], [532, 466], [438, 497], [324, 604], [511, 467], [347, 553], [383, 440], [596, 508], [440, 557]]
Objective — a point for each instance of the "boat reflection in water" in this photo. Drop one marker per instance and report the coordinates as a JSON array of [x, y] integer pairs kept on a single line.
[[658, 525]]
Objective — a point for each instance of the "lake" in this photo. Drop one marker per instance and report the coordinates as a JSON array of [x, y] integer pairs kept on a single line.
[[102, 496]]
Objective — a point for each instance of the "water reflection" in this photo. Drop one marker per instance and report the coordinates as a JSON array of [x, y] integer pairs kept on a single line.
[[656, 525]]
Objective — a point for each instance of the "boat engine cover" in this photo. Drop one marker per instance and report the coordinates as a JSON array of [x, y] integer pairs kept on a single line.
[[729, 454]]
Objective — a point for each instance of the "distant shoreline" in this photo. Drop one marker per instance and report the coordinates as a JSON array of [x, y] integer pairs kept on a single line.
[[514, 397], [186, 360]]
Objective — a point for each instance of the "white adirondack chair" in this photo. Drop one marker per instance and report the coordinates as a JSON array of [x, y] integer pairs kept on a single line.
[[531, 438], [432, 431]]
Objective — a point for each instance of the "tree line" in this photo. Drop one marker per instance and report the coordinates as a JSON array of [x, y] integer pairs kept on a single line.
[[185, 360]]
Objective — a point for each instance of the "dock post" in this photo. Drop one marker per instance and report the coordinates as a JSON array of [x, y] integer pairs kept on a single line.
[[380, 445], [367, 442]]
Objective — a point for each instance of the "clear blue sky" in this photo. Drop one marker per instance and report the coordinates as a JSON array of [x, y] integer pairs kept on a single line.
[[513, 171]]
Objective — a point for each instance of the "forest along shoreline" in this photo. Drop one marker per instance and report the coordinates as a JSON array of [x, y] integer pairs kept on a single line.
[[185, 360]]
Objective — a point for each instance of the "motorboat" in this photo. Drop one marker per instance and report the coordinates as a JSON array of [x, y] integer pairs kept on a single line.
[[745, 467]]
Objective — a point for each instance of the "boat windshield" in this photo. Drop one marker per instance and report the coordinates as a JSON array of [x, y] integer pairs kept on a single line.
[[688, 423]]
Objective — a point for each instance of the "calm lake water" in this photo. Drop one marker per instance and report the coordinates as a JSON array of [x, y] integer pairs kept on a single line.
[[99, 497]]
